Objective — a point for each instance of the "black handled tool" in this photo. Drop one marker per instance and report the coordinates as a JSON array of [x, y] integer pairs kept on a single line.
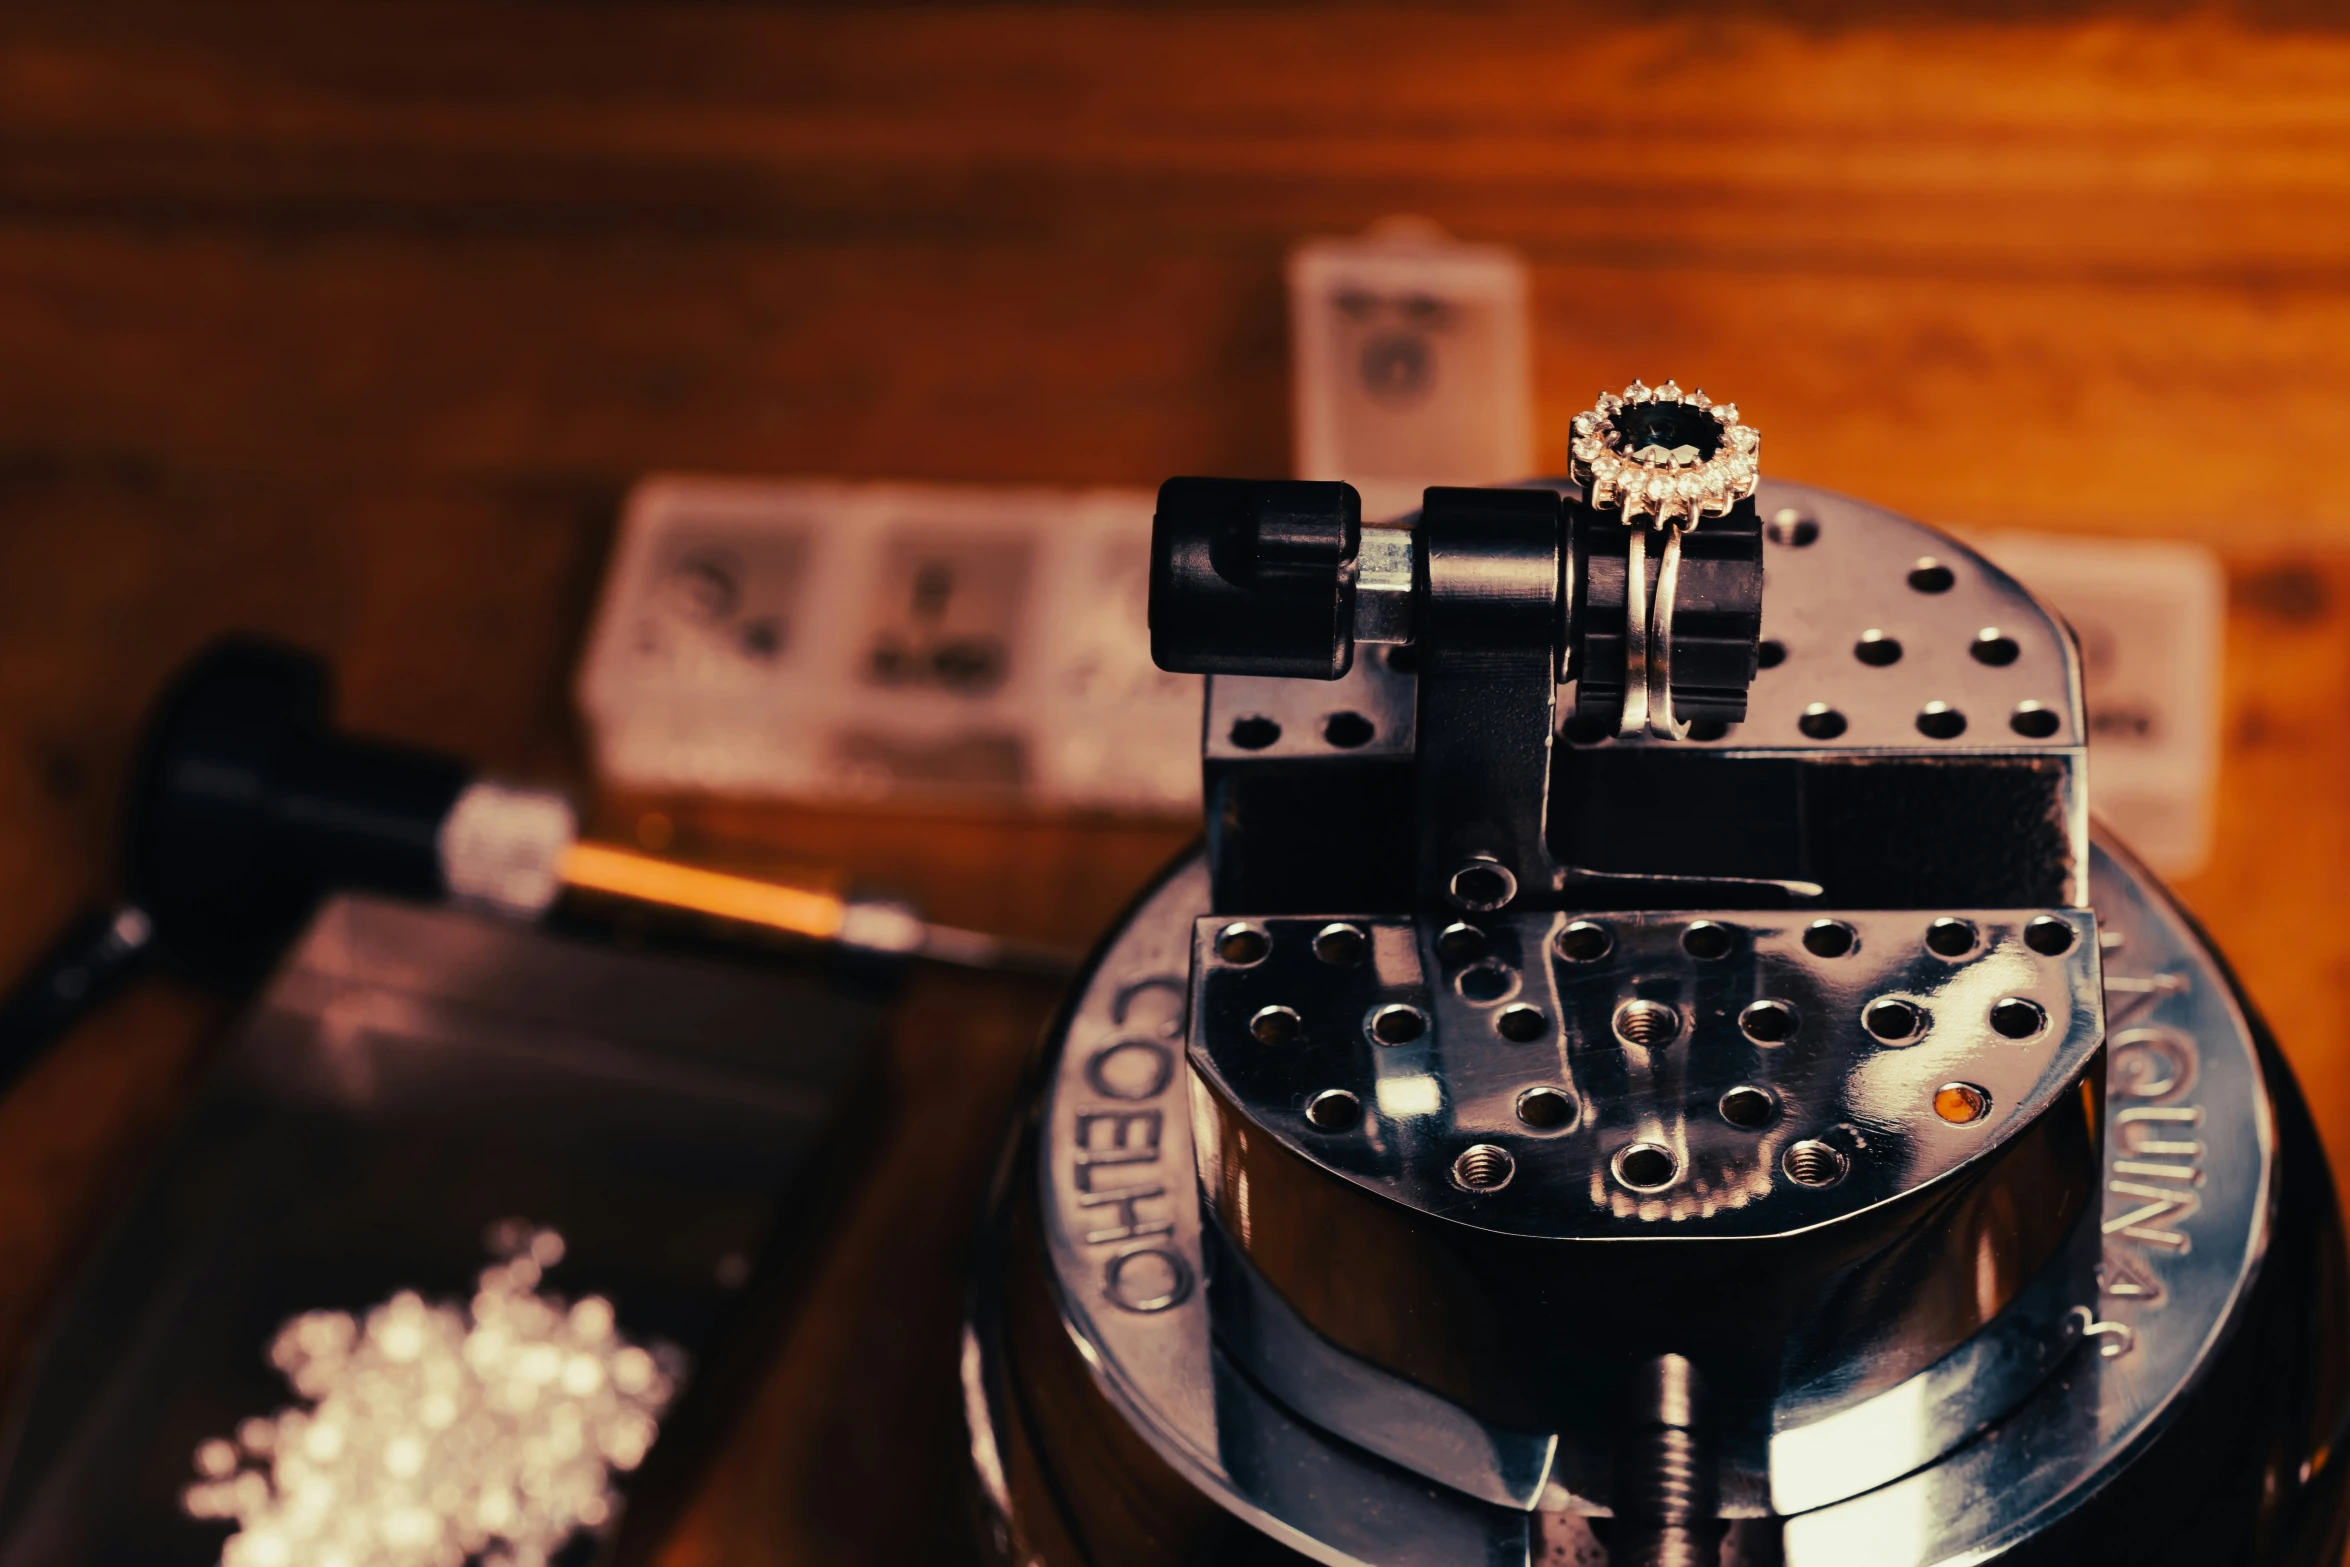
[[249, 807]]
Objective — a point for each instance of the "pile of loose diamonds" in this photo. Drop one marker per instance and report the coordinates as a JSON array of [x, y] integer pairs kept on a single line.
[[438, 1435]]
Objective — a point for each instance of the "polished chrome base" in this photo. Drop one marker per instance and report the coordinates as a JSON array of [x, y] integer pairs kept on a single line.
[[2192, 1411]]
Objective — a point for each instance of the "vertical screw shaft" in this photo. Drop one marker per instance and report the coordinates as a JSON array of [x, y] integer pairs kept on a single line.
[[1667, 1500]]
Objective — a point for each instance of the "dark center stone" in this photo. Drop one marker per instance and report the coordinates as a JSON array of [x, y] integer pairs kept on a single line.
[[1668, 425]]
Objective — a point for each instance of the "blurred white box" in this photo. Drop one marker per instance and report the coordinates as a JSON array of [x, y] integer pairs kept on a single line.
[[979, 645], [1411, 364], [2151, 619]]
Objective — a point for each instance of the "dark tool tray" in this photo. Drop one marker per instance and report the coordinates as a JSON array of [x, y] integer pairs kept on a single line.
[[410, 1078]]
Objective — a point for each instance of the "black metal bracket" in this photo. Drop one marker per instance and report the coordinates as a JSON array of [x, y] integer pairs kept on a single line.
[[1492, 625], [1513, 590]]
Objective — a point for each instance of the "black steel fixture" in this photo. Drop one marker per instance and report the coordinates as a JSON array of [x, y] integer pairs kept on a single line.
[[1649, 1072]]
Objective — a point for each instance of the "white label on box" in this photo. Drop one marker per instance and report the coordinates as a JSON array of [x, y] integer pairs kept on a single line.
[[1411, 363], [984, 645], [2150, 618]]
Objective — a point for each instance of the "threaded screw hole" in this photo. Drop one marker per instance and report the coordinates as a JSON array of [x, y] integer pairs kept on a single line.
[[1546, 1109], [1255, 732], [1459, 942], [1893, 1021], [1814, 1163], [1521, 1025], [1584, 942], [1768, 1022], [1950, 938], [1705, 940], [1931, 576], [1339, 945], [1483, 886], [1647, 1024], [1275, 1025], [1484, 1168], [1646, 1167], [2049, 936], [2034, 721], [1829, 938], [1941, 721], [1486, 982], [1994, 647], [2015, 1018], [1241, 945], [1333, 1110]]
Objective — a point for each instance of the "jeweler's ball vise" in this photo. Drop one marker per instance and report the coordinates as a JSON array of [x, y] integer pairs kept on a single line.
[[1647, 1069]]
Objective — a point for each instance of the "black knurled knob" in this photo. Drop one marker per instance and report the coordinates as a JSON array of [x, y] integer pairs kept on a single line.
[[249, 807], [1254, 577]]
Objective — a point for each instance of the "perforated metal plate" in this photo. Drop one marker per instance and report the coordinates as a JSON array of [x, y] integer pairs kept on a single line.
[[1122, 1216], [1758, 1088]]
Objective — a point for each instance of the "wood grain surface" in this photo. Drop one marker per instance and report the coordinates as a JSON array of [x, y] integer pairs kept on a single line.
[[353, 322]]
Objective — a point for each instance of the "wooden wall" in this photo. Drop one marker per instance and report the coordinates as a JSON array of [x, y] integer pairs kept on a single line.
[[353, 321]]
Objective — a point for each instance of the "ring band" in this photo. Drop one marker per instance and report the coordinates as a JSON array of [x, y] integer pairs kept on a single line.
[[1636, 654], [1658, 697]]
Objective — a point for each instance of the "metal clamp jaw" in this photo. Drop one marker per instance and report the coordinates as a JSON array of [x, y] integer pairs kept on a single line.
[[1384, 728], [1281, 578], [1475, 609]]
